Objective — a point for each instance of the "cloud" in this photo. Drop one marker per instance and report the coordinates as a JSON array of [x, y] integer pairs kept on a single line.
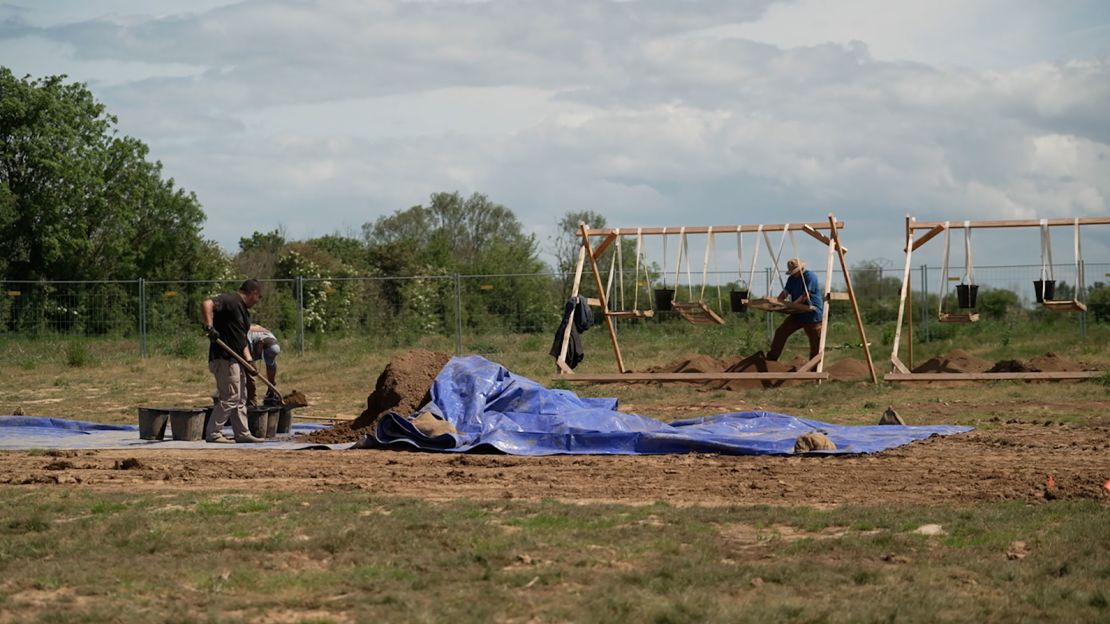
[[324, 115]]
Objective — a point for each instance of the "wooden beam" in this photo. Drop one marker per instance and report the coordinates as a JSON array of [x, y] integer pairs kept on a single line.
[[1015, 223], [927, 236], [717, 229], [902, 295], [611, 378], [898, 365], [561, 361], [601, 297], [992, 376], [909, 301], [604, 245], [852, 297], [838, 296]]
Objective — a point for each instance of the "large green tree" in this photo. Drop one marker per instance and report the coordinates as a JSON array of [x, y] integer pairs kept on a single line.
[[78, 201], [471, 236]]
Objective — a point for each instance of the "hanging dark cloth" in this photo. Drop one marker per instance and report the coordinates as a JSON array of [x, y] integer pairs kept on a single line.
[[578, 311]]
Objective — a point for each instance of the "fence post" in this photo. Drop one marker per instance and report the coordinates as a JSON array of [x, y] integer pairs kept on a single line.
[[300, 313], [142, 317], [458, 315]]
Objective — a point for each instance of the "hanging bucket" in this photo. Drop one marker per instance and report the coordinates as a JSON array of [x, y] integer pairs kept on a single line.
[[1045, 291], [966, 294], [663, 299], [737, 300]]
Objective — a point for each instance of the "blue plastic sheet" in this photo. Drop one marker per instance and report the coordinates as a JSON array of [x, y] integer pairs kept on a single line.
[[40, 432], [491, 408]]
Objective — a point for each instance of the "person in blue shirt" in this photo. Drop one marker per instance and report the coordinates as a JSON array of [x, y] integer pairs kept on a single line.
[[801, 287]]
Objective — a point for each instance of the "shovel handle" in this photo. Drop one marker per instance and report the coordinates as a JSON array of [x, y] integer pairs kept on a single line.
[[247, 365]]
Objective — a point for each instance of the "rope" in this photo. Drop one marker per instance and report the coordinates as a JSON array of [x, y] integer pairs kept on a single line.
[[620, 266], [801, 273], [705, 262], [740, 258], [944, 268], [678, 262], [1080, 278], [775, 256], [1048, 272], [609, 283], [664, 271], [636, 279], [755, 257], [969, 268]]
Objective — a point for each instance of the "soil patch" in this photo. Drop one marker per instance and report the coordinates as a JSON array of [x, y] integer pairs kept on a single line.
[[849, 369], [954, 362], [401, 387]]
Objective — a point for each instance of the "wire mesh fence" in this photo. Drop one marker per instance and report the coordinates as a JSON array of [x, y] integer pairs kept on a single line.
[[479, 313]]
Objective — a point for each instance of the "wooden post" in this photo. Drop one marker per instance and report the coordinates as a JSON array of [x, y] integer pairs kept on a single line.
[[899, 367], [852, 298], [561, 361], [601, 297], [825, 312], [909, 300]]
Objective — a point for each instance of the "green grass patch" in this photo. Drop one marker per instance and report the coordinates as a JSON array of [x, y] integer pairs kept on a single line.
[[340, 556]]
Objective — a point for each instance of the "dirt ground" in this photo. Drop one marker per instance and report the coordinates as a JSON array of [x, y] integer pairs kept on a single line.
[[1005, 458], [1006, 461]]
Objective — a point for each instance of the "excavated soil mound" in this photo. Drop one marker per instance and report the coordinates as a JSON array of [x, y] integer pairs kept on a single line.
[[954, 362], [1053, 363], [849, 369], [401, 387]]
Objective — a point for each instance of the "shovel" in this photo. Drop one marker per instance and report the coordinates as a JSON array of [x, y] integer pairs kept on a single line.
[[250, 369]]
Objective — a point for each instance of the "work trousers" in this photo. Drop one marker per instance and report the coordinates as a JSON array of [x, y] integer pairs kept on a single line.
[[788, 327], [232, 403]]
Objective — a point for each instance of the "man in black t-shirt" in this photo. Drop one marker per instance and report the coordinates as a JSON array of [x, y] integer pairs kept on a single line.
[[227, 317]]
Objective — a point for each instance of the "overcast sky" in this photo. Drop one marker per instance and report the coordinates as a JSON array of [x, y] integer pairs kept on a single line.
[[319, 116]]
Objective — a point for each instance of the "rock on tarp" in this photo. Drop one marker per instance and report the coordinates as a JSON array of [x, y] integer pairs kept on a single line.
[[491, 408]]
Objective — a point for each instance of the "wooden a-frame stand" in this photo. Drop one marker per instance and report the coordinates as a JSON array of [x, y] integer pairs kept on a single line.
[[813, 370], [901, 372]]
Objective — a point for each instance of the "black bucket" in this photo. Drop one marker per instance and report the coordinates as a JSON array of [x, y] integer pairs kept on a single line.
[[738, 300], [1045, 291], [285, 421], [966, 294], [152, 423], [663, 299]]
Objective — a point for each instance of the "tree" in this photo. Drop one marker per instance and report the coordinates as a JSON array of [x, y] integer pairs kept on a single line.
[[79, 202], [567, 240], [473, 236]]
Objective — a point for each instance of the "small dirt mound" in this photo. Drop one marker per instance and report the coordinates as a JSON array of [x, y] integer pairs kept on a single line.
[[954, 362], [849, 369], [1053, 363], [401, 387], [1011, 366]]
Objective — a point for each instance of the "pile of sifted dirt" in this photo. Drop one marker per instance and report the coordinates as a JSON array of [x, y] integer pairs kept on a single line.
[[954, 362], [401, 387], [849, 369], [1053, 363]]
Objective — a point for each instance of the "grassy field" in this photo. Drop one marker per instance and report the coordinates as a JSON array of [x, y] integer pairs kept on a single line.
[[104, 379], [348, 556], [176, 551]]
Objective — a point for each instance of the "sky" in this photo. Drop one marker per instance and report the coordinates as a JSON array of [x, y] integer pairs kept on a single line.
[[317, 116]]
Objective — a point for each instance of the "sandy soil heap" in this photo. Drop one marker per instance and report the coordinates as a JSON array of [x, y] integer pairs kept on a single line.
[[961, 362], [401, 387]]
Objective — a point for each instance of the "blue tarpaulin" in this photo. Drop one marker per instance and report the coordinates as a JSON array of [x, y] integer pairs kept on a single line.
[[491, 408], [40, 432]]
